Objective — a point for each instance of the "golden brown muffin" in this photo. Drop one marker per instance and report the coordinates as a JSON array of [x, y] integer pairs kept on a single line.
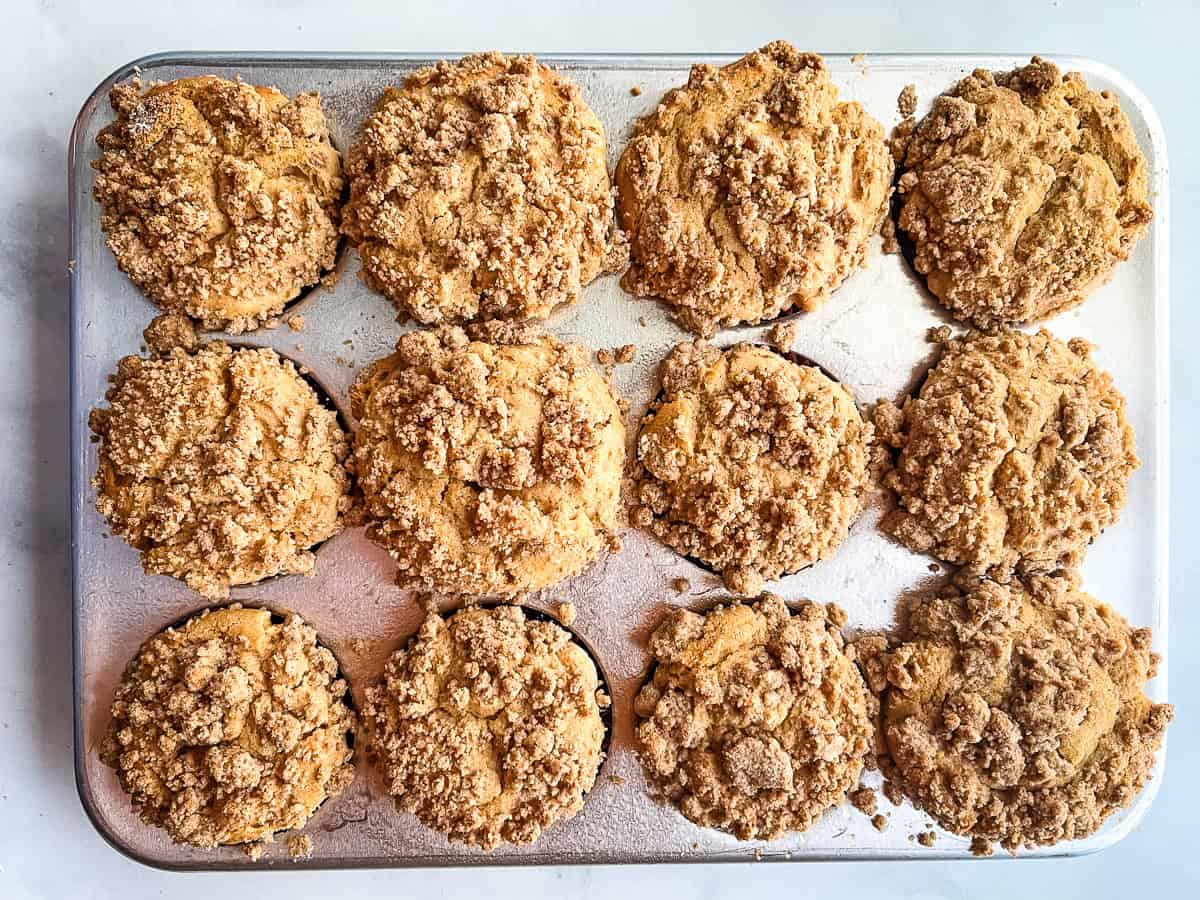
[[220, 199], [221, 466], [754, 721], [1015, 713], [231, 727], [487, 467], [1015, 454], [1023, 190], [752, 464], [478, 190], [488, 725], [751, 190]]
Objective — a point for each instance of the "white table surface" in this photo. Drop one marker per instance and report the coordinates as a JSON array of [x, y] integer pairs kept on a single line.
[[53, 55]]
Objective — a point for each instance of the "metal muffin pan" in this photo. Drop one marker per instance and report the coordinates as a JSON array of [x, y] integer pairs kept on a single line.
[[871, 334]]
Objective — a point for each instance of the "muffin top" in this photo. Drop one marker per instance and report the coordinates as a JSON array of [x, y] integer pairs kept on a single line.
[[1022, 191], [220, 199], [751, 190], [1015, 713], [231, 727], [488, 724], [1015, 454], [487, 467], [221, 466], [478, 190], [750, 463], [754, 720]]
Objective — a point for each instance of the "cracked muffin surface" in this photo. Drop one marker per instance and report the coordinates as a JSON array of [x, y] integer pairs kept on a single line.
[[1014, 456], [750, 463], [488, 724], [488, 467], [1015, 713], [478, 190], [230, 727], [754, 721], [220, 466], [219, 199], [1022, 191], [751, 191]]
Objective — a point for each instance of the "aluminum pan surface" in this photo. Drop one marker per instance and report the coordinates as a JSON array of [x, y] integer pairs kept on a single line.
[[871, 334]]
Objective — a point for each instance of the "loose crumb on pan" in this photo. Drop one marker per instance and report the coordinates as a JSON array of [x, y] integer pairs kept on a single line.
[[635, 91], [681, 585], [782, 335], [488, 725], [879, 822], [230, 728], [169, 331], [299, 846], [296, 322], [907, 101], [864, 800], [754, 721], [565, 613], [926, 838]]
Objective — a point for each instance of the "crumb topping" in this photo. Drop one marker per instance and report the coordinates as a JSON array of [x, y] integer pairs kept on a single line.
[[487, 467], [222, 467], [754, 721], [479, 190], [168, 331], [750, 463], [1023, 190], [1015, 714], [488, 725], [751, 190], [1014, 456], [231, 728], [220, 199]]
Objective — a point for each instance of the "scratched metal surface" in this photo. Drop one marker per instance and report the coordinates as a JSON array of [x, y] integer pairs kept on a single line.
[[870, 334]]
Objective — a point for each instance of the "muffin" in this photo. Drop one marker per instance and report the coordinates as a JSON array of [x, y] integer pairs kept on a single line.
[[478, 190], [488, 725], [751, 191], [750, 463], [1022, 191], [219, 199], [1014, 713], [487, 467], [231, 727], [220, 466], [1014, 455], [754, 720]]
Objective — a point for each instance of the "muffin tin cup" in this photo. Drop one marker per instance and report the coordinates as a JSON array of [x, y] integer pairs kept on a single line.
[[871, 332]]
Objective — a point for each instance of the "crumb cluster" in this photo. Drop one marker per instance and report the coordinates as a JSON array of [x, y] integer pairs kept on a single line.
[[1015, 454], [751, 190], [231, 727], [220, 199], [1014, 713], [221, 466], [487, 467], [750, 463], [754, 721], [1022, 191], [488, 725], [478, 189]]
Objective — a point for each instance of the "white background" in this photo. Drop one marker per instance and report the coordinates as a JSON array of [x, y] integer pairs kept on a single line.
[[52, 56]]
